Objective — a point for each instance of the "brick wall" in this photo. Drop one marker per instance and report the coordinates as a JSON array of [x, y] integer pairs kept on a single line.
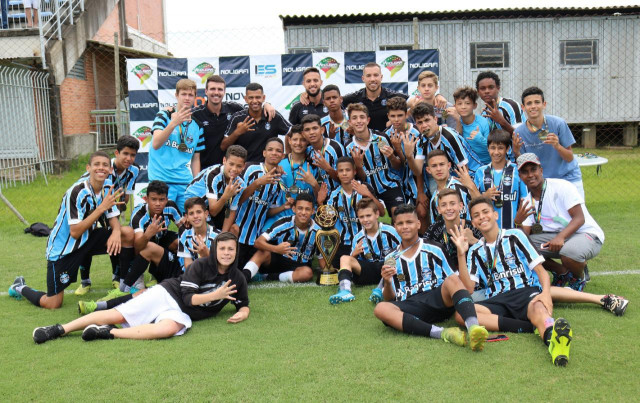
[[151, 21], [77, 99]]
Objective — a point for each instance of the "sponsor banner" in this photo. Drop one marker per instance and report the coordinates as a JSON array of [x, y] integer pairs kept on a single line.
[[143, 105], [420, 60], [331, 66], [266, 70], [235, 94], [140, 189], [142, 131], [397, 87], [393, 64], [170, 71], [200, 69], [235, 71], [354, 64], [293, 66], [142, 74]]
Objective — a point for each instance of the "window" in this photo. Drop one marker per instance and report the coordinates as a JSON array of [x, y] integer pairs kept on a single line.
[[489, 55], [315, 49], [396, 47], [579, 52]]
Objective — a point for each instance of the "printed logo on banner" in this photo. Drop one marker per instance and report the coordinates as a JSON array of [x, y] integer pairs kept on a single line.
[[204, 70], [293, 66], [142, 74], [170, 71], [143, 105], [143, 133], [354, 63], [143, 71], [293, 101], [235, 70], [265, 70], [234, 95], [329, 65], [397, 87], [393, 63], [421, 60]]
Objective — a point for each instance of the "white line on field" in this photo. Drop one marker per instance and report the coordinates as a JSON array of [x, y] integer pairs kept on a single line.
[[273, 284]]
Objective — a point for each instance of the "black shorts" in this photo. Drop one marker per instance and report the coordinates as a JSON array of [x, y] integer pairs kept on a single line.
[[169, 267], [392, 197], [166, 240], [245, 253], [427, 306], [64, 271], [342, 251], [281, 264], [512, 304], [370, 273]]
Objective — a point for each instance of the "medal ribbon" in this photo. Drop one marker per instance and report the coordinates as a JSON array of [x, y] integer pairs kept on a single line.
[[487, 251], [538, 215]]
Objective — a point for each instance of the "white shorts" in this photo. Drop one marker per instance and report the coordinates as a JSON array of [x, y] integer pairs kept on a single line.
[[35, 4], [152, 306]]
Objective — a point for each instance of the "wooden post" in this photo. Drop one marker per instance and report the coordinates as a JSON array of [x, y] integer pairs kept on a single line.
[[116, 69], [589, 136], [416, 34], [630, 135]]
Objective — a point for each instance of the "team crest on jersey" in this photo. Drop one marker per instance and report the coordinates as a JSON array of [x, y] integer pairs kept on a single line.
[[228, 116], [205, 123], [325, 109], [384, 102], [507, 180], [510, 259], [64, 278], [188, 139], [387, 251], [267, 126]]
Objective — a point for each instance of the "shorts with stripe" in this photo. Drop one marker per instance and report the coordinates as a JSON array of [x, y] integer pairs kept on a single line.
[[370, 273], [511, 304], [428, 306]]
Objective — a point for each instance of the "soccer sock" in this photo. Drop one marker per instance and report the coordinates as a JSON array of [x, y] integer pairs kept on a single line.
[[436, 332], [514, 325], [413, 325], [32, 295], [286, 277], [138, 266], [463, 304], [85, 269], [547, 335], [102, 305], [126, 256], [252, 268], [344, 279], [117, 301], [115, 265], [86, 282]]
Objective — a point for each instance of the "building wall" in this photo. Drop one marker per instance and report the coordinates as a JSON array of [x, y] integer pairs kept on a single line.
[[77, 99], [606, 92], [150, 23]]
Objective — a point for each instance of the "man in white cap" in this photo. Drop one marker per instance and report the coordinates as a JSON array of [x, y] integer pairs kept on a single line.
[[555, 218]]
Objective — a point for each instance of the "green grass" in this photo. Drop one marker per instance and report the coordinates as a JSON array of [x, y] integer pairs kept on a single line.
[[296, 346]]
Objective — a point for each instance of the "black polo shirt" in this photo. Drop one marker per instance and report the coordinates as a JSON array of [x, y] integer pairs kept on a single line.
[[214, 127], [298, 111], [256, 140], [377, 108]]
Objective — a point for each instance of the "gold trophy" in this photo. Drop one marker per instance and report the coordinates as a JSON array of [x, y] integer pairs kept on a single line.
[[327, 241]]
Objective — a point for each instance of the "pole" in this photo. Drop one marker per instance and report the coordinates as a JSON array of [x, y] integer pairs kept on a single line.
[[416, 34], [13, 209], [116, 69]]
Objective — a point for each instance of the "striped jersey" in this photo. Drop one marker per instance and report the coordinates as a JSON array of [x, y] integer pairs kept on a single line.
[[210, 184], [285, 230], [409, 186], [140, 218], [459, 152], [377, 167], [331, 150], [185, 243], [253, 212], [511, 188], [376, 248], [422, 272], [506, 267], [512, 112], [455, 184], [342, 135], [125, 181], [78, 202], [345, 204], [168, 163]]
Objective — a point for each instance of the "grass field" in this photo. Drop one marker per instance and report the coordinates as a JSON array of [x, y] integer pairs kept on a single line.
[[296, 346]]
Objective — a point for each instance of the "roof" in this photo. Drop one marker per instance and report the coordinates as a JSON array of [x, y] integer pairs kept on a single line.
[[488, 13], [126, 51]]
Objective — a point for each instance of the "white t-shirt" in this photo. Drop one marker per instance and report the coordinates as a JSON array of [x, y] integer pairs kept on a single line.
[[559, 197]]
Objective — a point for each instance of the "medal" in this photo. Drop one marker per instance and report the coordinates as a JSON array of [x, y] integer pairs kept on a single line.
[[369, 256], [182, 147], [498, 203], [542, 135], [401, 277], [294, 189], [536, 228]]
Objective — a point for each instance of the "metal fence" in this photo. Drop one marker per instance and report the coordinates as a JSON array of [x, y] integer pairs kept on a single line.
[[26, 141], [107, 128]]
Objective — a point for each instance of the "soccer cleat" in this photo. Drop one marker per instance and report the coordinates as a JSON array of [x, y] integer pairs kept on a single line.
[[94, 332], [342, 296], [151, 283], [587, 277], [561, 280], [454, 335], [614, 304], [259, 277], [115, 293], [133, 290], [577, 284], [477, 336], [376, 295], [18, 282], [83, 289], [86, 307], [46, 333], [560, 342], [115, 284]]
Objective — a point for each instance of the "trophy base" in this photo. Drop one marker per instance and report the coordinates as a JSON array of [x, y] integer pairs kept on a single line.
[[328, 279]]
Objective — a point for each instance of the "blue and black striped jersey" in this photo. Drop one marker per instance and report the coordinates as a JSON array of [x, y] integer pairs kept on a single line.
[[512, 112], [342, 135], [125, 181], [455, 184], [332, 150], [459, 152], [285, 230], [377, 167], [140, 218], [422, 272], [253, 212], [511, 188], [210, 184], [508, 266], [185, 243], [345, 204], [409, 187], [78, 202], [375, 249]]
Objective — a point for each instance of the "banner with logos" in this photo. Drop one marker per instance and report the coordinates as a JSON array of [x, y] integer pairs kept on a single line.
[[152, 82]]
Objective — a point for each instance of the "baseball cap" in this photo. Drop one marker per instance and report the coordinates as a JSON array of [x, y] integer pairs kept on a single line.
[[527, 158]]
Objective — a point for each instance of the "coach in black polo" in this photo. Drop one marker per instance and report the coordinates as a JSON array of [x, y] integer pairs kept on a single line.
[[312, 83], [215, 117], [250, 127]]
